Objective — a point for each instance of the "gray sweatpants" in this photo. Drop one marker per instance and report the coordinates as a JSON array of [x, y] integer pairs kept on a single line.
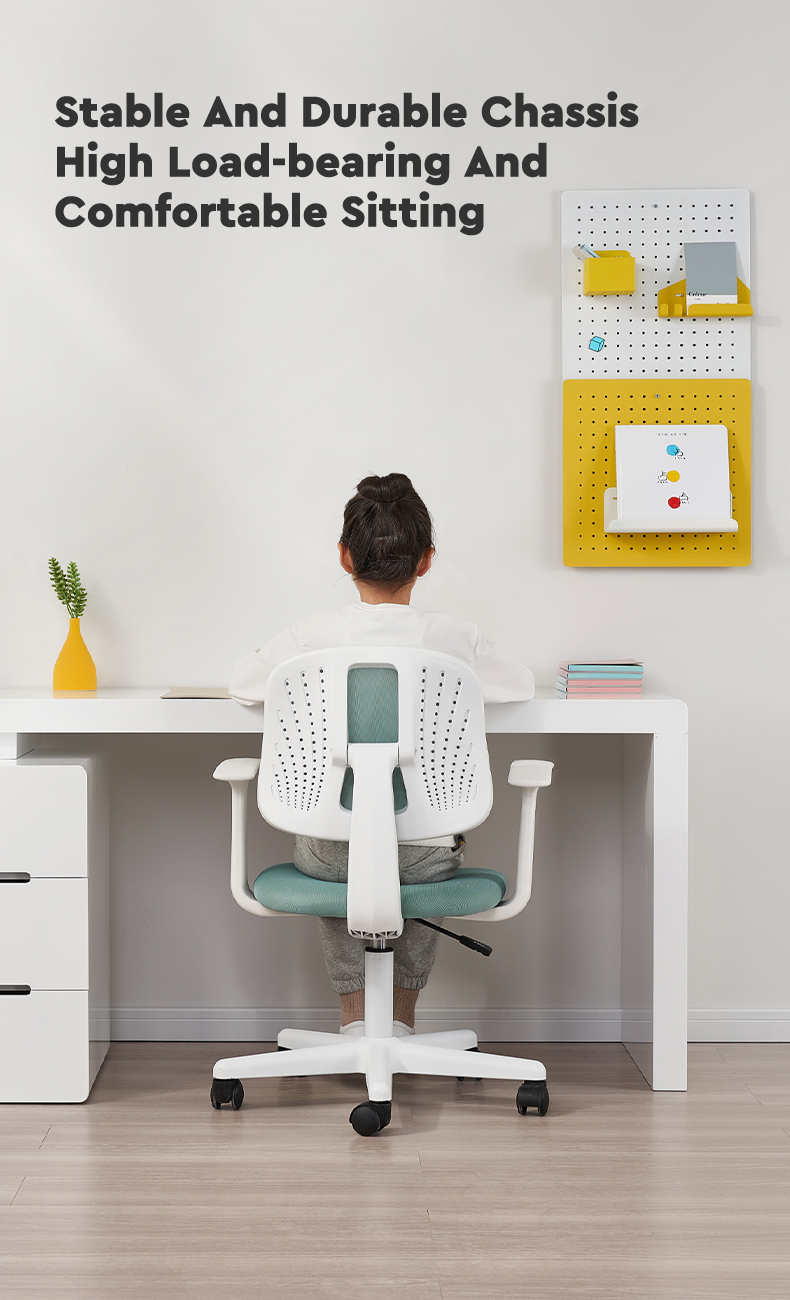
[[415, 948]]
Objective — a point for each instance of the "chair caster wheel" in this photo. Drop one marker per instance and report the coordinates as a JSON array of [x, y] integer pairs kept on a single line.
[[471, 1078], [227, 1090], [370, 1117], [533, 1094]]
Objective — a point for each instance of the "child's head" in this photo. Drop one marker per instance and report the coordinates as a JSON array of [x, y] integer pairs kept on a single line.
[[387, 537]]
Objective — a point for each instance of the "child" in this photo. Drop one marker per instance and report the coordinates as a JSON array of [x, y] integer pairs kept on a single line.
[[386, 545]]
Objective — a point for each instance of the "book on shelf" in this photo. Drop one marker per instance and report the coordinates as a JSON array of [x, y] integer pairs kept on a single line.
[[623, 690], [599, 679], [597, 686], [582, 674], [602, 665]]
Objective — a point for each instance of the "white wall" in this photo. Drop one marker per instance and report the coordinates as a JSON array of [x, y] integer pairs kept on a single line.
[[185, 412]]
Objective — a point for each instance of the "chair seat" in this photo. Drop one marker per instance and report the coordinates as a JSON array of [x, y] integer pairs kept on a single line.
[[284, 888]]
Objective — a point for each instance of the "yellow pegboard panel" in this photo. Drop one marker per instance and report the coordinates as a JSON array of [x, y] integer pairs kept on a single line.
[[591, 409]]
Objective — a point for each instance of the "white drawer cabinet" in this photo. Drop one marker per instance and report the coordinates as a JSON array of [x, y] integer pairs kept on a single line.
[[54, 926], [46, 1049], [44, 816], [44, 933]]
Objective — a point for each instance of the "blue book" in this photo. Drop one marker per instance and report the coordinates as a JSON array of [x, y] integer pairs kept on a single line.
[[590, 674]]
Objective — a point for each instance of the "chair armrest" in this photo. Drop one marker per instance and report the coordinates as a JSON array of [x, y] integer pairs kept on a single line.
[[530, 772], [237, 769], [238, 772]]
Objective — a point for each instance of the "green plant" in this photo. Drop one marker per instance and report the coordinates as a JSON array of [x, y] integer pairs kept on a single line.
[[68, 587]]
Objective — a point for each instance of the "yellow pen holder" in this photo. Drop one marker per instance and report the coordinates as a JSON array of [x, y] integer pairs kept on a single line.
[[612, 271], [672, 302]]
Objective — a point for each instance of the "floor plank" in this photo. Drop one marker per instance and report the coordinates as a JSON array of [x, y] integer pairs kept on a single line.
[[619, 1192]]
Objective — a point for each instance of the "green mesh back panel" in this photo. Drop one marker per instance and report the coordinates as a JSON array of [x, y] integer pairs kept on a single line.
[[373, 720], [285, 889], [398, 789], [372, 706]]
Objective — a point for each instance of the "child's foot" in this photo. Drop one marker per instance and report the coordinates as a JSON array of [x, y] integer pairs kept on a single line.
[[355, 1029]]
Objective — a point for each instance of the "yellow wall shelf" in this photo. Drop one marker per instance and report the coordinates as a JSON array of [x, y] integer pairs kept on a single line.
[[672, 303], [591, 409], [612, 271]]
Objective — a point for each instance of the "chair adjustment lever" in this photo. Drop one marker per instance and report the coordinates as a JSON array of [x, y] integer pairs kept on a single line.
[[484, 949]]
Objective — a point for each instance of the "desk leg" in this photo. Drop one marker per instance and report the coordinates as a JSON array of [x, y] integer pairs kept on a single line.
[[655, 906]]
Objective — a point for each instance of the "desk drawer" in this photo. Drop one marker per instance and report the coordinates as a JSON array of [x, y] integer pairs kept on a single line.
[[44, 934], [44, 820], [44, 1047]]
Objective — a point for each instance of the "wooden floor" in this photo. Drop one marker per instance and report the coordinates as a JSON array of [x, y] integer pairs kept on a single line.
[[145, 1191]]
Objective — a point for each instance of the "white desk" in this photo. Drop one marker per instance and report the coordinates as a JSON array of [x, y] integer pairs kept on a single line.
[[655, 849]]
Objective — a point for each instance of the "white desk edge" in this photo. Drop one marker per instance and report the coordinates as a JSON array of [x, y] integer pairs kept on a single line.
[[37, 711]]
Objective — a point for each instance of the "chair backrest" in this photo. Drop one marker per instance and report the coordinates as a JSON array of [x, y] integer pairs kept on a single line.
[[325, 712]]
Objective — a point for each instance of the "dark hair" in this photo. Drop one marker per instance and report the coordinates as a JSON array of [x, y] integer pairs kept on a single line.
[[387, 530]]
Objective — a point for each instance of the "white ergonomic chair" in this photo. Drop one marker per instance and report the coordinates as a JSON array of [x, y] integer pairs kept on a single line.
[[376, 746]]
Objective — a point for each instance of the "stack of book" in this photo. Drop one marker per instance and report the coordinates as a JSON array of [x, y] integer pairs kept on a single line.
[[600, 679]]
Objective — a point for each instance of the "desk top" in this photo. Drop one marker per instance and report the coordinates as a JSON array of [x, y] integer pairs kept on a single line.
[[140, 710]]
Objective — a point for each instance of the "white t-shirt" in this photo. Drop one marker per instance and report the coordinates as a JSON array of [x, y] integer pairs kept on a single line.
[[501, 678]]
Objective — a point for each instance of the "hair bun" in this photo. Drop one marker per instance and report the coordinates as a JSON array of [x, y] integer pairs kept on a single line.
[[385, 490], [387, 530]]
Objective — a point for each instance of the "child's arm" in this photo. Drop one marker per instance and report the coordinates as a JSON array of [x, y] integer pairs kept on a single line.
[[249, 677], [501, 678]]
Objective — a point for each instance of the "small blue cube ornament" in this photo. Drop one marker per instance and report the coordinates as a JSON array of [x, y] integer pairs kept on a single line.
[[596, 343]]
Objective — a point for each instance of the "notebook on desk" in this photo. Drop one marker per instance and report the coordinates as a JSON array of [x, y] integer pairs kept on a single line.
[[196, 693]]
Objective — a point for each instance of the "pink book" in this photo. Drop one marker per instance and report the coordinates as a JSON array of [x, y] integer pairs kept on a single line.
[[597, 684], [599, 690], [590, 695]]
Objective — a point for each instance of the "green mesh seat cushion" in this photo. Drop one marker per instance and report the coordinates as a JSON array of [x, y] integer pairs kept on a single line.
[[286, 889], [470, 890]]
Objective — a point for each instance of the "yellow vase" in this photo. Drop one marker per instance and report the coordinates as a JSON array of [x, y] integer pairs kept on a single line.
[[74, 669]]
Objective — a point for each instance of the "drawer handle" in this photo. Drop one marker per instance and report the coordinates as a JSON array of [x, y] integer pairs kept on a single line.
[[14, 877], [13, 989]]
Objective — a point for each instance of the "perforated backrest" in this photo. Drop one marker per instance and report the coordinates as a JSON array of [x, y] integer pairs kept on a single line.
[[429, 703]]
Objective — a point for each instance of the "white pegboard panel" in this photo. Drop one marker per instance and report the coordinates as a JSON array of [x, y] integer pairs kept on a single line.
[[652, 225]]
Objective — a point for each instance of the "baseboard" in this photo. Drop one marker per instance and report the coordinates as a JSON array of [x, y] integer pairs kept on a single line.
[[739, 1026], [221, 1024], [491, 1024]]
